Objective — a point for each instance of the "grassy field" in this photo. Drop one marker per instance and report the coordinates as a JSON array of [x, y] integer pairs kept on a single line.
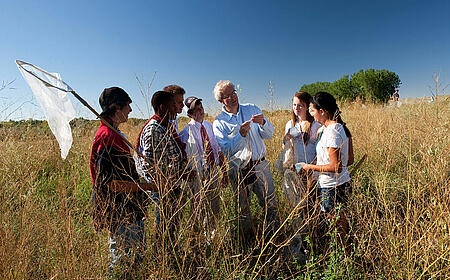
[[399, 210]]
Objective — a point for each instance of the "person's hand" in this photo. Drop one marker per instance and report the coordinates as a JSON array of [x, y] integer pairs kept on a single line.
[[300, 167], [245, 128], [305, 166], [287, 137], [259, 119]]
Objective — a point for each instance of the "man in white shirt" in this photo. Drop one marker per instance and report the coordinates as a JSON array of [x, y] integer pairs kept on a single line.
[[204, 156], [240, 130]]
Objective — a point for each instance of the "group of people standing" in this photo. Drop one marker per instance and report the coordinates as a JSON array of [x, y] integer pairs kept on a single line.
[[204, 156]]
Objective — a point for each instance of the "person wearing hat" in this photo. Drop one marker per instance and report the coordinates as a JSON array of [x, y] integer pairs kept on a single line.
[[119, 198], [204, 156]]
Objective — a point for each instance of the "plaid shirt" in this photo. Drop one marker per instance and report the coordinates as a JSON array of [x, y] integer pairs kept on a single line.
[[163, 153]]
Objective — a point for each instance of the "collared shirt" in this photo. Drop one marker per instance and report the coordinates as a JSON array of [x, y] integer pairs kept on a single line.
[[163, 153], [195, 127], [226, 128], [175, 124]]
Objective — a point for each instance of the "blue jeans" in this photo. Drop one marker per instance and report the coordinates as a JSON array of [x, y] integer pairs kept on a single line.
[[154, 195], [127, 246], [330, 197]]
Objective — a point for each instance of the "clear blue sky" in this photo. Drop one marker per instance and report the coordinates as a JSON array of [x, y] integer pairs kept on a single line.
[[97, 44]]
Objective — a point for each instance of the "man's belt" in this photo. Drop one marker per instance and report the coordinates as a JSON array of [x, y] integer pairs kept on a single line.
[[248, 172], [256, 162]]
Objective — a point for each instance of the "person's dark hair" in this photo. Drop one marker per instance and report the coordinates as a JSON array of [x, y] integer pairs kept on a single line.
[[113, 99], [174, 89], [160, 98], [305, 98], [327, 102]]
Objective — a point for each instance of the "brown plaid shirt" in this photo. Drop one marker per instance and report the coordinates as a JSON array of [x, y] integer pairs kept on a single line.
[[165, 158]]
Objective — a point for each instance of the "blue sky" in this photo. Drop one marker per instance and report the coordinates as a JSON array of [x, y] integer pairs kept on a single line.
[[97, 44]]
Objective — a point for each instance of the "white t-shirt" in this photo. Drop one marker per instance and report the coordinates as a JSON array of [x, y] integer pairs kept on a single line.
[[333, 136], [304, 153]]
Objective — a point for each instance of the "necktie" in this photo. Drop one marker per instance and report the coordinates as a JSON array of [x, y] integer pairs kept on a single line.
[[207, 147]]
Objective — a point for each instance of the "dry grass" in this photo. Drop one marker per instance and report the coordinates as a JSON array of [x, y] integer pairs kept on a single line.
[[400, 208]]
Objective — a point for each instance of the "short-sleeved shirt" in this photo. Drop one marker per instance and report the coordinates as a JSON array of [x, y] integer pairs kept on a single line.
[[333, 136]]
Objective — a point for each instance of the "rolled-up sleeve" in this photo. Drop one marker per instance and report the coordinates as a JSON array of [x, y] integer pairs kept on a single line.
[[266, 131]]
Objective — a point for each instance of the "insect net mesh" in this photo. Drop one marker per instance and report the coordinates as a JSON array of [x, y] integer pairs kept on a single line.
[[55, 103]]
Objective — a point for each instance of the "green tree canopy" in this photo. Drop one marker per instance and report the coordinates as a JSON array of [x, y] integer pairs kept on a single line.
[[374, 85]]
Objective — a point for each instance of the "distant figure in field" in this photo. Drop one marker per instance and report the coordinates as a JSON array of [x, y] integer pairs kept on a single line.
[[334, 155], [240, 130], [395, 96], [119, 199], [205, 156]]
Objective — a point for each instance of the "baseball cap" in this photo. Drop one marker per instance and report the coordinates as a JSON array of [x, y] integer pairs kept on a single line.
[[113, 95], [191, 101]]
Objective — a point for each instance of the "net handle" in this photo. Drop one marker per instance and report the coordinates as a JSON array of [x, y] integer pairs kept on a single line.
[[20, 63]]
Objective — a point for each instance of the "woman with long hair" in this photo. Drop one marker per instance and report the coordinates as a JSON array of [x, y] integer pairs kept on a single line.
[[334, 155], [302, 130]]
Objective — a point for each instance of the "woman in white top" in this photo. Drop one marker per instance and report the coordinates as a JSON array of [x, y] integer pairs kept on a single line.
[[302, 129], [334, 152]]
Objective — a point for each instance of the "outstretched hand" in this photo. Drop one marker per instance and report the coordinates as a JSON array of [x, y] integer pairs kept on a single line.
[[259, 119], [245, 128]]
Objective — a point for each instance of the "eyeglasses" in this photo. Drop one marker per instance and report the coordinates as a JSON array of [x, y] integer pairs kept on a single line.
[[229, 96]]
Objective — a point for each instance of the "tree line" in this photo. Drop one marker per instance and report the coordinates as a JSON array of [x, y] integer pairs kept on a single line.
[[370, 84]]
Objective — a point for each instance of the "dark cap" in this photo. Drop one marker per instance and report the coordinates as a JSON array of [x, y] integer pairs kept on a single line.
[[191, 101], [113, 95]]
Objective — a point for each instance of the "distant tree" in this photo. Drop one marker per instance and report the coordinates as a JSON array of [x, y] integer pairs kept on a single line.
[[370, 84], [376, 85], [315, 88], [344, 89]]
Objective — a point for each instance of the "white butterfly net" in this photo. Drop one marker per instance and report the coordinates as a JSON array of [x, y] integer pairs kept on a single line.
[[51, 94]]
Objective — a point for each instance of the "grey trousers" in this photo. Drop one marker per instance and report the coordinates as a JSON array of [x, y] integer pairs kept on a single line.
[[264, 189]]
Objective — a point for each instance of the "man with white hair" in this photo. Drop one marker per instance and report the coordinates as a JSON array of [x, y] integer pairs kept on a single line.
[[240, 130]]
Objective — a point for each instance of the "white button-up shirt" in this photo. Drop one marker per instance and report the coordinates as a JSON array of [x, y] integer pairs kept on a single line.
[[195, 127], [227, 125]]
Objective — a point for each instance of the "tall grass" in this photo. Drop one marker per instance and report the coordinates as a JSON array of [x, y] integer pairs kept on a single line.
[[399, 210]]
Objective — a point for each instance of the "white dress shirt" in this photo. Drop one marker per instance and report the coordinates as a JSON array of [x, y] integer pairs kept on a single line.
[[227, 125], [195, 127]]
